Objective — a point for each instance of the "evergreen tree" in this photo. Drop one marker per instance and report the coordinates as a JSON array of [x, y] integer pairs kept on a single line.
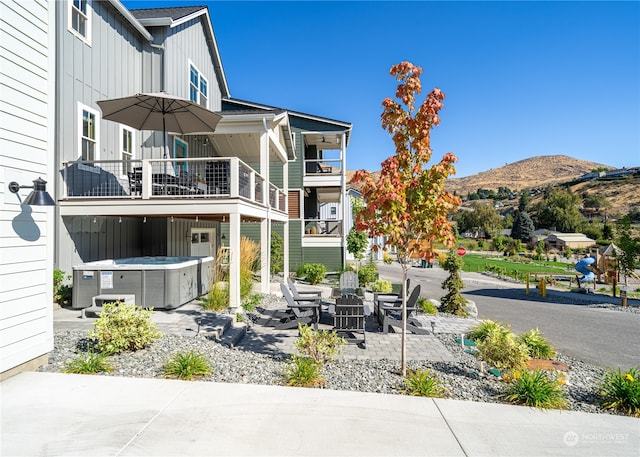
[[453, 302], [523, 227]]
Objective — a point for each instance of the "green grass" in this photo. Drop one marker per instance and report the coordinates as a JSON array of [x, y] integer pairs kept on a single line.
[[89, 363], [478, 263], [187, 365]]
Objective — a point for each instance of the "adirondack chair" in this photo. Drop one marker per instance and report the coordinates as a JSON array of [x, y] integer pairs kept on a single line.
[[349, 319], [302, 293], [387, 298], [300, 310], [393, 314], [349, 282]]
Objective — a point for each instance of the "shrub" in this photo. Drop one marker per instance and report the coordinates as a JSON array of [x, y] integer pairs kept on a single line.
[[61, 292], [479, 332], [426, 306], [187, 365], [320, 345], [277, 253], [218, 297], [536, 388], [382, 285], [303, 372], [501, 349], [621, 391], [423, 383], [314, 272], [386, 258], [124, 327], [367, 274], [248, 265], [251, 302], [538, 346], [453, 302], [91, 362]]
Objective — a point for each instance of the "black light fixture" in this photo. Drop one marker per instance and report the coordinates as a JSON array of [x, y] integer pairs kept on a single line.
[[38, 196]]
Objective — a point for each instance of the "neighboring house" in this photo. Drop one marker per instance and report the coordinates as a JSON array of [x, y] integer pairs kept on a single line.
[[117, 197], [316, 187], [370, 253], [562, 241], [26, 235]]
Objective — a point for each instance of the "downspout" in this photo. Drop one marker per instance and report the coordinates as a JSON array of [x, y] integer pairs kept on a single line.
[[162, 65], [264, 170]]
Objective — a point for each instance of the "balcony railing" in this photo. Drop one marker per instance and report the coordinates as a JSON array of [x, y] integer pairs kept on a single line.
[[322, 167], [323, 227], [167, 178]]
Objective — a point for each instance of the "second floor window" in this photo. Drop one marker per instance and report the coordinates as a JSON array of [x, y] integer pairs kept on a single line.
[[88, 136], [80, 19], [198, 87]]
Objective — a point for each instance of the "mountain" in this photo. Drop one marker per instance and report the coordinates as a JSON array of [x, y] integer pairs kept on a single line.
[[533, 172], [621, 195]]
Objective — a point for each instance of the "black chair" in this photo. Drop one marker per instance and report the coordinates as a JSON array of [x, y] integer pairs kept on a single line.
[[135, 182], [393, 314], [349, 319], [299, 311]]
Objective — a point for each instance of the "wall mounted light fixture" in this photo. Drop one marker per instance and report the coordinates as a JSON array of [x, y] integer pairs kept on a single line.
[[38, 196]]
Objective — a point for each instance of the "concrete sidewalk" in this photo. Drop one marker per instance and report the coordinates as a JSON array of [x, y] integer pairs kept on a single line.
[[51, 414]]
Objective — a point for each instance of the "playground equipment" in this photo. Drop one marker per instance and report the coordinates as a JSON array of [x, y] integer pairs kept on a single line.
[[583, 266]]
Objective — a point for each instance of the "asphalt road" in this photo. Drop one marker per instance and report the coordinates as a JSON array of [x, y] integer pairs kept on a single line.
[[601, 337]]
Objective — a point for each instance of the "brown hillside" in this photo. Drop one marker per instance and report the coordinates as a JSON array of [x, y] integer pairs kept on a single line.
[[524, 174], [622, 195]]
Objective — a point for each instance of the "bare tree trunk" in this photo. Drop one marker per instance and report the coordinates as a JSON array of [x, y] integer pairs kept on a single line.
[[403, 353]]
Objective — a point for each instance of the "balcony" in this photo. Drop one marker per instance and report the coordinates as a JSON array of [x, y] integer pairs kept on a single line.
[[169, 179], [323, 228]]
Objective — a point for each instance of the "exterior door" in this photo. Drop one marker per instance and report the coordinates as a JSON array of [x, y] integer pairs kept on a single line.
[[203, 242]]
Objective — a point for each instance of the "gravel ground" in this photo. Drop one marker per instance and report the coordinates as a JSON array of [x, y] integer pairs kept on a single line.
[[463, 379]]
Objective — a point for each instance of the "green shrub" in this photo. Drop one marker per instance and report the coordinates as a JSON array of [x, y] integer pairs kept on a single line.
[[218, 297], [538, 346], [320, 345], [426, 306], [61, 292], [250, 304], [501, 349], [382, 285], [277, 253], [187, 365], [453, 302], [91, 362], [621, 391], [303, 372], [536, 388], [124, 327], [479, 332], [367, 274], [314, 272], [423, 383]]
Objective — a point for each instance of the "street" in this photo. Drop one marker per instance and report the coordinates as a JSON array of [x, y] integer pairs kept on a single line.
[[597, 336]]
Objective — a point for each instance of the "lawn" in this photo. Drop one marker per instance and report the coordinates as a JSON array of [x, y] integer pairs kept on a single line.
[[480, 262]]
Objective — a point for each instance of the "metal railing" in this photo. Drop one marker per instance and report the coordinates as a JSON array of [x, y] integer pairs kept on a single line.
[[322, 166], [323, 227], [167, 178]]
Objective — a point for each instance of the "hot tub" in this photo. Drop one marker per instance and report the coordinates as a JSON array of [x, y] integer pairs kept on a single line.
[[158, 282]]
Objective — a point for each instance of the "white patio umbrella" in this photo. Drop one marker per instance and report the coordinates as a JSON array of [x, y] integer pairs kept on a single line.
[[160, 111]]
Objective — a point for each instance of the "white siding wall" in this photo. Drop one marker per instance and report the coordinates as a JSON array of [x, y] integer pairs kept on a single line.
[[27, 59]]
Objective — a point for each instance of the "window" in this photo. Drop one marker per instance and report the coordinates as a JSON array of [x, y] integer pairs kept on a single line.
[[126, 149], [198, 87], [80, 19], [88, 139], [334, 212], [179, 152]]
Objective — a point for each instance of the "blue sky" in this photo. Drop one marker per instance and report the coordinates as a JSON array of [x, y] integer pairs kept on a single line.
[[522, 79]]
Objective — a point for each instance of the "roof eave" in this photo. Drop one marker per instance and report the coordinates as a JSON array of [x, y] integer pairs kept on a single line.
[[138, 25]]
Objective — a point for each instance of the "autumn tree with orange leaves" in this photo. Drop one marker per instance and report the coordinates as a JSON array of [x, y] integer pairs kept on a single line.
[[407, 204]]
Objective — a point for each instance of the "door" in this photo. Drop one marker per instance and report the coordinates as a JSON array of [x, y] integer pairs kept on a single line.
[[203, 242]]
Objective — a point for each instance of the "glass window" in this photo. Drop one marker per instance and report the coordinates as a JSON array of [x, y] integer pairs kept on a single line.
[[127, 150], [80, 19], [198, 87], [88, 141]]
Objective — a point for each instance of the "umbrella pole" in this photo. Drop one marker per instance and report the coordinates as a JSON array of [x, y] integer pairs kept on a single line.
[[164, 149]]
